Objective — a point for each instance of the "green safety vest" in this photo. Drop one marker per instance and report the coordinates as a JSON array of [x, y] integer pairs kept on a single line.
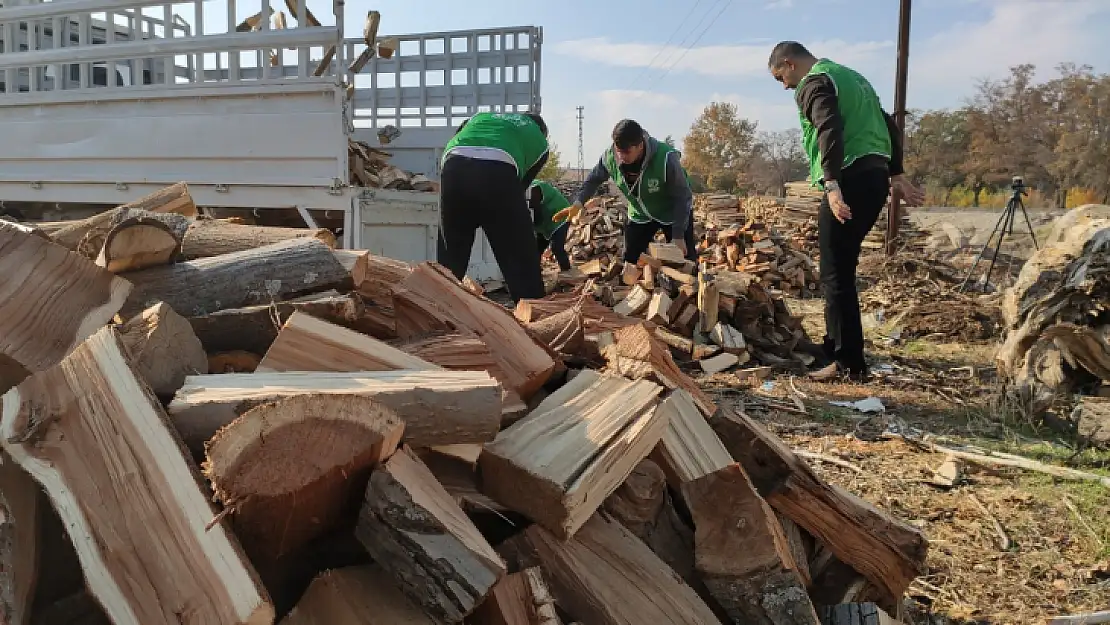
[[513, 133], [650, 202], [865, 130], [553, 202]]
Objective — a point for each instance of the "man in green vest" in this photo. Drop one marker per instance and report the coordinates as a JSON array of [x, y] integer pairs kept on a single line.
[[546, 202], [650, 176], [855, 156], [486, 169]]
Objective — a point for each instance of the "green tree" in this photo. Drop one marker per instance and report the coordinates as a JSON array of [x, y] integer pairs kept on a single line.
[[551, 171], [720, 146], [936, 148]]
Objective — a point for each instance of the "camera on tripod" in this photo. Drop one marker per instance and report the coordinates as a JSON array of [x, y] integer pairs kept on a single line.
[[1017, 183]]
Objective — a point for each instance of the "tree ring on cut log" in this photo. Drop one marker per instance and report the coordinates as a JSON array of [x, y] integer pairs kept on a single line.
[[293, 469], [136, 243]]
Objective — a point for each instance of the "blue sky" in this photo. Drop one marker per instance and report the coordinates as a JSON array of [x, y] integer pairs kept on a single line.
[[610, 57]]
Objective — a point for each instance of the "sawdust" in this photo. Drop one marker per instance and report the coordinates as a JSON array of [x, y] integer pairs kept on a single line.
[[962, 320]]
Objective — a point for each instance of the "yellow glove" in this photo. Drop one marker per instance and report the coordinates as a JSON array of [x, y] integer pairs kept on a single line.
[[568, 213]]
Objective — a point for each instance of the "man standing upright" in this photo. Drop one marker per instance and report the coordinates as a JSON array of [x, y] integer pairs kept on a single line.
[[487, 167], [650, 176], [855, 155]]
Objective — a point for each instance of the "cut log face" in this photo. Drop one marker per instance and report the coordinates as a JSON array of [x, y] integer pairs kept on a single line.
[[563, 332], [213, 237], [432, 294], [604, 575], [355, 595], [375, 277], [889, 552], [138, 243], [690, 449], [518, 599], [438, 407], [290, 470], [163, 348], [306, 343], [251, 277], [558, 464], [86, 236], [52, 300], [133, 505], [415, 530], [19, 552], [763, 587]]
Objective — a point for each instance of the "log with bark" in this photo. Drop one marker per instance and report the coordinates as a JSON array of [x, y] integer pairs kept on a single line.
[[431, 299], [213, 237], [256, 276], [355, 595], [636, 353], [604, 575], [563, 332], [52, 301], [294, 469], [763, 587], [558, 464], [889, 552], [138, 242], [163, 348], [414, 529], [87, 236], [438, 407], [133, 504], [172, 199]]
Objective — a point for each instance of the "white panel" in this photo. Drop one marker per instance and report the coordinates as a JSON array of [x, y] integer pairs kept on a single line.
[[483, 266], [399, 224]]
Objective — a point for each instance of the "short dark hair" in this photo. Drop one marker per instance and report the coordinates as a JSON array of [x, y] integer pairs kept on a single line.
[[627, 133], [539, 121], [788, 50]]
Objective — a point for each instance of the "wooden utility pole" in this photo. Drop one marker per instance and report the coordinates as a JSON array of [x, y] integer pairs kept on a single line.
[[899, 114]]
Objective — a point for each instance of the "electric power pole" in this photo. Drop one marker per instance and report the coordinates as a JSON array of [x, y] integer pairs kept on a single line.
[[581, 153]]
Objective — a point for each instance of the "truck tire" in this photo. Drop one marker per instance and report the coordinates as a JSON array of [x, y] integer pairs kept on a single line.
[[855, 614]]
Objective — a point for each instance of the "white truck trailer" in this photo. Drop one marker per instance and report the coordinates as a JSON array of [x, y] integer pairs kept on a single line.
[[246, 117]]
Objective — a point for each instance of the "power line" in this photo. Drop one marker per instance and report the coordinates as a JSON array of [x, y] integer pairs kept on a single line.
[[663, 47], [724, 8]]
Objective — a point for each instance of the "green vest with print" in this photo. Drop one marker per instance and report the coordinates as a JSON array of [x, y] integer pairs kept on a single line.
[[513, 133], [553, 202], [865, 130], [648, 198]]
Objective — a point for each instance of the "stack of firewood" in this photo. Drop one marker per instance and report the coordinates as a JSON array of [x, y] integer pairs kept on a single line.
[[369, 167], [762, 208], [277, 430], [781, 262], [719, 210], [596, 237]]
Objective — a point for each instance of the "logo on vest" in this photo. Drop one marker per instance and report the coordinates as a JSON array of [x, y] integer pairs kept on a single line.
[[652, 185], [514, 118]]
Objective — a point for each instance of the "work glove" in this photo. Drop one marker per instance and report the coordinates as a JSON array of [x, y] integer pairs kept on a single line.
[[569, 213]]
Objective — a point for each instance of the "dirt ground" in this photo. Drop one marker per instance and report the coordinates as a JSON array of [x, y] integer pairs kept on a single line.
[[932, 353]]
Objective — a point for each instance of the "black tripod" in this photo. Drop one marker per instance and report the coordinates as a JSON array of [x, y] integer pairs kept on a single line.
[[1003, 227]]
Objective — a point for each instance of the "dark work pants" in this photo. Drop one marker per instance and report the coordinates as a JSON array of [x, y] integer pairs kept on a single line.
[[637, 237], [558, 245], [865, 193], [488, 195]]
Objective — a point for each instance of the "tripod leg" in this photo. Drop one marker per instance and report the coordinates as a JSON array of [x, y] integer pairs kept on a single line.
[[1009, 217], [979, 257], [1032, 235]]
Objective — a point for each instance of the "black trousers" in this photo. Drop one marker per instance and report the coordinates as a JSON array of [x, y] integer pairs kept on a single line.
[[558, 245], [865, 193], [637, 237], [488, 195]]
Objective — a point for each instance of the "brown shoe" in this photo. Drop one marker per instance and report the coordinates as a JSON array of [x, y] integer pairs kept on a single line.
[[826, 373]]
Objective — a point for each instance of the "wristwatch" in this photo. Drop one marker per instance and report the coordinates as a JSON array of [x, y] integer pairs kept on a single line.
[[832, 185]]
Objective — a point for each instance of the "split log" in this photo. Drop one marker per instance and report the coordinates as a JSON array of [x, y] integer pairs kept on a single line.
[[306, 343], [293, 469], [889, 552], [172, 199], [163, 348], [255, 328], [604, 575], [149, 501], [667, 254], [87, 236], [597, 316], [250, 277], [19, 542], [438, 407], [657, 309], [637, 354], [719, 363], [213, 237], [432, 299], [763, 587], [375, 276], [136, 243], [560, 462], [563, 332], [634, 303], [416, 531], [355, 595], [684, 345], [708, 302], [457, 352], [518, 599], [729, 338], [690, 449], [52, 301]]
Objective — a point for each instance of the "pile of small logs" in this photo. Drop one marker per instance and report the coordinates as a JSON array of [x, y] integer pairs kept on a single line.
[[597, 236], [369, 167], [280, 431], [782, 263], [762, 208], [720, 210]]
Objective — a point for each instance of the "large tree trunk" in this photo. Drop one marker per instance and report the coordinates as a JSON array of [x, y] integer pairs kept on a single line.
[[134, 506], [86, 236], [50, 301], [256, 276], [212, 237]]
